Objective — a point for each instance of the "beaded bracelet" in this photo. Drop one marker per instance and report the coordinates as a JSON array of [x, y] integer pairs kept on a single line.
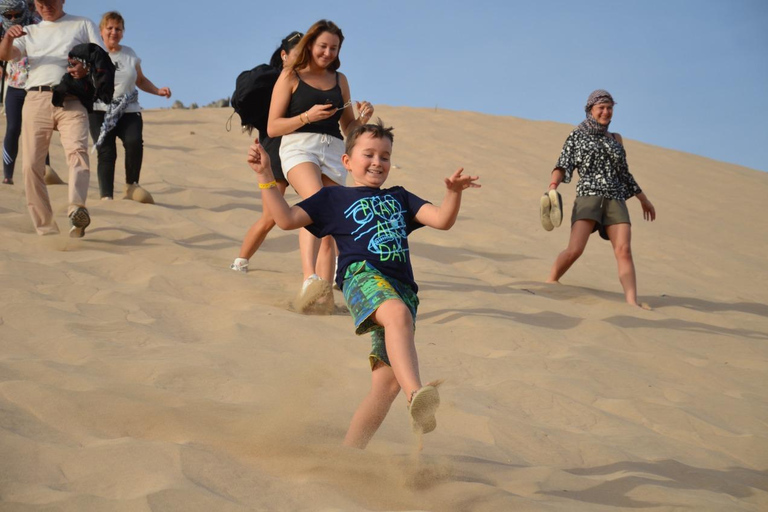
[[271, 184]]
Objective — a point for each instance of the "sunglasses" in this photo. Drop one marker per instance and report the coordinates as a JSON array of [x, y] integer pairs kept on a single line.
[[13, 15]]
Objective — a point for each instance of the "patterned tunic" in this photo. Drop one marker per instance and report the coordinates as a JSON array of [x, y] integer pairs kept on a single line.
[[602, 165]]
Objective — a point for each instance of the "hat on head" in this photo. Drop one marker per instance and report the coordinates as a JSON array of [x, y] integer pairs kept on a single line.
[[598, 96], [14, 6]]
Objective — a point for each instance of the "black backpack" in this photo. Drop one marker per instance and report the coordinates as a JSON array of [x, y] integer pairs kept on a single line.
[[253, 93]]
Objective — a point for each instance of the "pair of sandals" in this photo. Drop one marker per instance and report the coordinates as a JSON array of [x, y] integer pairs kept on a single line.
[[551, 210]]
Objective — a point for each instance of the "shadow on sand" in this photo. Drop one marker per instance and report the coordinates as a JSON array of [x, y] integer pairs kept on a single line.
[[738, 483]]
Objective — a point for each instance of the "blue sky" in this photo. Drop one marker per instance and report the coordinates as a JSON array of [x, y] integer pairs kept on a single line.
[[690, 75]]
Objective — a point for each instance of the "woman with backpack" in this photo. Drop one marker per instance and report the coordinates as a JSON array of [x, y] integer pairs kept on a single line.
[[310, 109], [282, 56]]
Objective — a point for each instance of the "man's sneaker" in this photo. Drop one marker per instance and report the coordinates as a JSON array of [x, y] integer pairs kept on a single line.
[[240, 265], [79, 220]]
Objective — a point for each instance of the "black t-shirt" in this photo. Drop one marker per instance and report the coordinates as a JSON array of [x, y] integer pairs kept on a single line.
[[368, 224]]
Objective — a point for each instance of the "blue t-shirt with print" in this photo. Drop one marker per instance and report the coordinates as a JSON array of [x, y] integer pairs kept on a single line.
[[368, 224]]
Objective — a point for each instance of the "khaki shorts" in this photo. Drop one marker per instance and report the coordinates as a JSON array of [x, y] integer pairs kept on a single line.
[[605, 212]]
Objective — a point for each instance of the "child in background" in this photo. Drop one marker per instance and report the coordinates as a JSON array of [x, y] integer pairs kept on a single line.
[[370, 226]]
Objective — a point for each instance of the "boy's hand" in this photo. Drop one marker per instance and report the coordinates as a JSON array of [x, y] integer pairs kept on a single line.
[[458, 182], [258, 159]]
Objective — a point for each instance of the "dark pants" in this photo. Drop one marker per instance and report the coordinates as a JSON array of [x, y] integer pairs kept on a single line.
[[129, 128], [14, 101]]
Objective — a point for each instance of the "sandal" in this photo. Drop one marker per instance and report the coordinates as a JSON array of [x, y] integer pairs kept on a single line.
[[545, 208], [7, 181], [422, 407], [556, 207]]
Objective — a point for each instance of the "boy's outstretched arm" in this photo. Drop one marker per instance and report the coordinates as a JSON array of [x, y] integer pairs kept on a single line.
[[444, 216], [287, 217]]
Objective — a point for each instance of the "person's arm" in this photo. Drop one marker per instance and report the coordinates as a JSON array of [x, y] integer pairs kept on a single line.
[[444, 216], [348, 121], [287, 217], [7, 50], [279, 125], [649, 212], [144, 83], [557, 178], [568, 161], [94, 35]]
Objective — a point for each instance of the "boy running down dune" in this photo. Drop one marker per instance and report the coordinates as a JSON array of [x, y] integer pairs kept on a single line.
[[370, 225]]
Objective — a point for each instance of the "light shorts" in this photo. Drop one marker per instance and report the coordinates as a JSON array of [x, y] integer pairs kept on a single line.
[[605, 212], [324, 151], [365, 289]]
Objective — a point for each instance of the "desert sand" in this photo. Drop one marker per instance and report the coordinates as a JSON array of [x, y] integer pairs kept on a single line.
[[139, 373]]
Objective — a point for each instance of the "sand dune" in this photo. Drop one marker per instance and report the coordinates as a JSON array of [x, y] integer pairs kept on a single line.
[[138, 373]]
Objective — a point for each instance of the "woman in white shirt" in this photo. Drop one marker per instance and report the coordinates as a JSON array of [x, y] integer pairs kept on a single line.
[[122, 117]]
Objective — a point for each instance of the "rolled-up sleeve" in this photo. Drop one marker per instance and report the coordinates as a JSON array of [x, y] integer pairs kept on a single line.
[[629, 182], [569, 158]]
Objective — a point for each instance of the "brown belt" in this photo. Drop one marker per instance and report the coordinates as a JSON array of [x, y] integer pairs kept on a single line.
[[41, 88]]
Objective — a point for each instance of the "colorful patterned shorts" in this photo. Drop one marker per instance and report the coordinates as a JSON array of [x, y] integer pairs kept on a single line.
[[365, 289]]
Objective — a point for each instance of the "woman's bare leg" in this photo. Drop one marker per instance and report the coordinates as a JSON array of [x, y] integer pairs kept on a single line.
[[326, 259], [580, 231], [306, 179], [259, 230], [621, 239]]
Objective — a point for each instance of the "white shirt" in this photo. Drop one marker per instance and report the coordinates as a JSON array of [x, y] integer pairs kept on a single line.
[[125, 61], [47, 45]]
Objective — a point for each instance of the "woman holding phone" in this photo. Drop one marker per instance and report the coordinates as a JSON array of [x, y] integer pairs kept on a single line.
[[311, 109]]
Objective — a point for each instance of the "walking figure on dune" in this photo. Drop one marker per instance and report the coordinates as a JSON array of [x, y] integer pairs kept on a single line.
[[375, 273], [254, 114], [47, 46], [310, 109], [604, 185], [122, 117]]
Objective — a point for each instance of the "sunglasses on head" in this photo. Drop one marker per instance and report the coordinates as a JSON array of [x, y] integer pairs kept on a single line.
[[13, 15], [294, 37]]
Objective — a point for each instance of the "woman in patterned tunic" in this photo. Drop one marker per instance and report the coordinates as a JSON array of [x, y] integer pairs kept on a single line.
[[604, 185]]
